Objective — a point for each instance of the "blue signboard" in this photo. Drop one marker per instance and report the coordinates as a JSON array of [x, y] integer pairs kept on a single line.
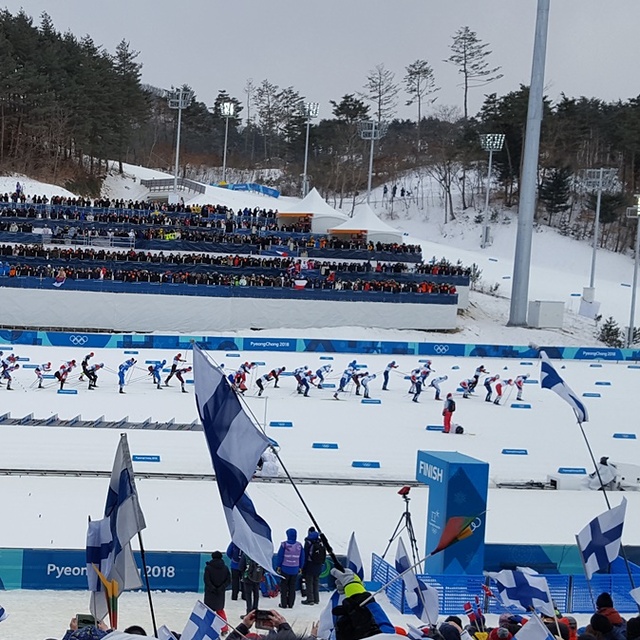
[[458, 486]]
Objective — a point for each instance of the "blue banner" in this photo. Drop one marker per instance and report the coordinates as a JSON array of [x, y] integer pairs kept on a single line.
[[304, 345]]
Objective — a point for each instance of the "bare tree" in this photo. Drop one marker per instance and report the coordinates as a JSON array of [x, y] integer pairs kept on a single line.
[[381, 89], [470, 56]]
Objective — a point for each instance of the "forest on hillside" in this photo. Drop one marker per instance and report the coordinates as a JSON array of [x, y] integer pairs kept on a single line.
[[67, 106]]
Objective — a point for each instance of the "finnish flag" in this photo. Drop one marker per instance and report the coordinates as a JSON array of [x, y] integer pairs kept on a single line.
[[599, 541], [235, 446], [550, 379], [524, 590], [421, 598], [203, 624]]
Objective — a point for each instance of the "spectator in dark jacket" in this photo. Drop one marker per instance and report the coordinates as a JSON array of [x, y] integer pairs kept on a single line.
[[314, 558], [288, 564], [602, 629], [604, 606], [217, 578]]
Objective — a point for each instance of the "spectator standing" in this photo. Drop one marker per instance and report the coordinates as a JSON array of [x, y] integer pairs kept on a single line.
[[235, 555], [447, 412], [252, 575], [314, 558], [289, 562], [217, 578]]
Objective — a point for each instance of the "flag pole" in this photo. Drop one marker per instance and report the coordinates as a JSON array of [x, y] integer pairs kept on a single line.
[[606, 498], [256, 424], [584, 566], [323, 537], [146, 581]]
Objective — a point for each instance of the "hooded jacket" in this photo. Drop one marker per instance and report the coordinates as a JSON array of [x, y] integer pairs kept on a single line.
[[290, 558]]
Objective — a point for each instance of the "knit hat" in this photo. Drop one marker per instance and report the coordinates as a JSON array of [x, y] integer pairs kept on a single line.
[[455, 620], [600, 623], [449, 631], [633, 628], [216, 555], [604, 600]]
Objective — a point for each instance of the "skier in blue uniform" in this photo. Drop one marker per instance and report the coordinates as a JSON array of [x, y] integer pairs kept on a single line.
[[122, 370]]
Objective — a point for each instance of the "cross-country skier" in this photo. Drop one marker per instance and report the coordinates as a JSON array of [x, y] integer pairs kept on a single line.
[[476, 376], [356, 377], [40, 370], [298, 374], [500, 384], [122, 370], [416, 384], [274, 375], [436, 382], [519, 382], [345, 379], [6, 374], [365, 380], [385, 374], [323, 371], [63, 372], [177, 361], [85, 365], [92, 374], [179, 373], [307, 379], [467, 387], [154, 371], [488, 381]]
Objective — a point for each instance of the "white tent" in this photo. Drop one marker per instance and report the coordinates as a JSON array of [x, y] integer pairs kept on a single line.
[[323, 216], [366, 222]]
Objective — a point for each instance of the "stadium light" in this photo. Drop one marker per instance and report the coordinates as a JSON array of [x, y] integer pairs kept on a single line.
[[596, 179], [371, 130], [178, 99], [310, 110], [634, 212], [228, 110], [529, 182], [490, 142]]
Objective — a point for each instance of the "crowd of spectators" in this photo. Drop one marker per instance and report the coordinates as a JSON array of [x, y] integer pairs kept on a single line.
[[284, 280], [243, 262], [71, 218]]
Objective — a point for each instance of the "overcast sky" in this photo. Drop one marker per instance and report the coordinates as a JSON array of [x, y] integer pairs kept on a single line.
[[324, 49]]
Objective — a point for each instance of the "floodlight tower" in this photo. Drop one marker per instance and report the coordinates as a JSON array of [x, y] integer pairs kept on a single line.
[[490, 142], [228, 110], [599, 180], [529, 182], [178, 99], [372, 130], [310, 111], [634, 212]]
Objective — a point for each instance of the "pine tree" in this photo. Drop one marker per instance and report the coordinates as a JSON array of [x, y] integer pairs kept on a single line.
[[381, 89], [555, 192], [419, 82], [611, 334], [470, 56], [350, 109]]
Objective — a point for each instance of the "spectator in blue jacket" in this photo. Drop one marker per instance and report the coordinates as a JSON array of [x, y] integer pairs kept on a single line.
[[314, 558], [234, 554], [288, 564]]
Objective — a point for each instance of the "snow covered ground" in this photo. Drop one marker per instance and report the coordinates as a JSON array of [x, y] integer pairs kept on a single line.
[[186, 514]]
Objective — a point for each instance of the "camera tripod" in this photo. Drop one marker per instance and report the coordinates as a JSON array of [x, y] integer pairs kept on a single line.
[[405, 522]]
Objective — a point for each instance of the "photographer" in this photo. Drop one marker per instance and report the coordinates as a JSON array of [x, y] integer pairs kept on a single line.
[[272, 621]]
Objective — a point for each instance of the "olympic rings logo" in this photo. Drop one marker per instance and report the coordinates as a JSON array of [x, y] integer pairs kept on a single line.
[[441, 349], [78, 341]]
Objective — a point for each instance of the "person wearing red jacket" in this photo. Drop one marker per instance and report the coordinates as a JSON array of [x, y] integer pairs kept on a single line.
[[447, 412]]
